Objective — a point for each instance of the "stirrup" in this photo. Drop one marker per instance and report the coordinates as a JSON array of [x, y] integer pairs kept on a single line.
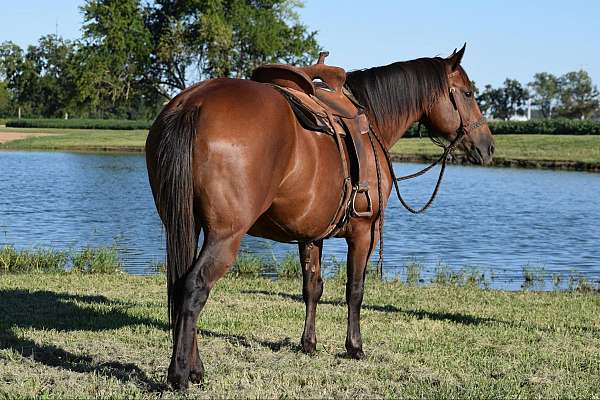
[[361, 188]]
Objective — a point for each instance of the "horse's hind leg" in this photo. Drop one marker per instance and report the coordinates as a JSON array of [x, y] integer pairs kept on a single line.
[[312, 289], [217, 255]]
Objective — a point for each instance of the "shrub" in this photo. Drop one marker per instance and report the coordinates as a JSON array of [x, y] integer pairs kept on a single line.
[[97, 261], [289, 267], [247, 264], [77, 123], [559, 126], [413, 272], [533, 277]]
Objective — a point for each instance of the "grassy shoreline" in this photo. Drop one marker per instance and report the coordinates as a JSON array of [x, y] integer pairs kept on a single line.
[[528, 151], [106, 335]]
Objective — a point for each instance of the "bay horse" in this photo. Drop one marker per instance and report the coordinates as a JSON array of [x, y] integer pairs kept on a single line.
[[228, 157]]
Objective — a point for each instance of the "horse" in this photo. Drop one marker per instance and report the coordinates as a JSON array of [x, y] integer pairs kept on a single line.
[[227, 157]]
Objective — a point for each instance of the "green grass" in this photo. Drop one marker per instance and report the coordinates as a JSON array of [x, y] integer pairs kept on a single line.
[[520, 147], [79, 139], [88, 260], [106, 335], [34, 260]]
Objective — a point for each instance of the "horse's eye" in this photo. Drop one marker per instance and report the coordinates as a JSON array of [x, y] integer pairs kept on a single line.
[[468, 94]]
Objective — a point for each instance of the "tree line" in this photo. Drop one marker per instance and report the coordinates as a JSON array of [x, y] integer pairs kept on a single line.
[[572, 95], [133, 55]]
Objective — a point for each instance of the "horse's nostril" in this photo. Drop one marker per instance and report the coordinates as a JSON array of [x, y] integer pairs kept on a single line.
[[491, 149]]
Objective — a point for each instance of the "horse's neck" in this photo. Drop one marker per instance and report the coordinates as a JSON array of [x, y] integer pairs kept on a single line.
[[391, 134]]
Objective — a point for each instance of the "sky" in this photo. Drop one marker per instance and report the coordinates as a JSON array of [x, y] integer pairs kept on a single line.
[[513, 39]]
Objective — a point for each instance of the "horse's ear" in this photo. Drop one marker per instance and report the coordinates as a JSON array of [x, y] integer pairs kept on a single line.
[[456, 57]]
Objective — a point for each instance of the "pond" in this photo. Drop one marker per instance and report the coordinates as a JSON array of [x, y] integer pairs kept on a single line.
[[494, 221]]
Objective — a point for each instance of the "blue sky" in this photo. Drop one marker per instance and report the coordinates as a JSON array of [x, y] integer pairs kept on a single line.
[[504, 38]]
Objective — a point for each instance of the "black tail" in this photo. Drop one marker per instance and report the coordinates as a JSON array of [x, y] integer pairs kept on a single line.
[[174, 194]]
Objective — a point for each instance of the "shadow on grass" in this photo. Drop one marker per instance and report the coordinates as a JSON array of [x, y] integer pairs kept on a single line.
[[248, 343], [458, 318], [45, 310]]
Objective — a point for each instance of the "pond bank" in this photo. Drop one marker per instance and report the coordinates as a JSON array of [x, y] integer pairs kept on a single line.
[[107, 335]]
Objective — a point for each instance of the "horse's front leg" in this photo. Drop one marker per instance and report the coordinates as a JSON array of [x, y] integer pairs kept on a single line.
[[312, 289], [360, 246]]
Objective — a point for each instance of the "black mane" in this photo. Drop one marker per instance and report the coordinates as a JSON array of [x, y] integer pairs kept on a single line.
[[395, 92]]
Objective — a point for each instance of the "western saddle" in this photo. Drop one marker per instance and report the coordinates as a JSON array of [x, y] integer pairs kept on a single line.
[[322, 103]]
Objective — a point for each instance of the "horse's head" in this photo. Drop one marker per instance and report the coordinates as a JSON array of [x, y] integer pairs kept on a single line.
[[456, 117]]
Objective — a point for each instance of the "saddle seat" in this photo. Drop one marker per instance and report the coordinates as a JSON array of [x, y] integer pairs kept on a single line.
[[325, 82], [321, 103]]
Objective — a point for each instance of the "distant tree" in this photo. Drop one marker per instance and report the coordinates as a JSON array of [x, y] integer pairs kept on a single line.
[[11, 70], [115, 55], [41, 80], [578, 96], [504, 102], [545, 92], [53, 87], [199, 39], [516, 97], [4, 99]]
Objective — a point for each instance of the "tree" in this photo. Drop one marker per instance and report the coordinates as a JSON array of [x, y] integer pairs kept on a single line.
[[545, 92], [11, 66], [515, 96], [504, 102], [41, 80], [578, 96], [200, 39], [115, 55], [4, 99]]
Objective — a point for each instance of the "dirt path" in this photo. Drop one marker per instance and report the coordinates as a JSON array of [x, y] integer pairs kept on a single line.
[[10, 136]]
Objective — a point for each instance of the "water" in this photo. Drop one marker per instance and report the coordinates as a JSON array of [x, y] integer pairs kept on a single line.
[[495, 220]]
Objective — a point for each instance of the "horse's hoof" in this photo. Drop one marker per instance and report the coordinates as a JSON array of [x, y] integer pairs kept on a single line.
[[309, 347], [197, 374], [356, 354], [197, 378], [177, 380]]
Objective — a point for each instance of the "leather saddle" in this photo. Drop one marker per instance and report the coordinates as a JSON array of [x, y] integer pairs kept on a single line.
[[321, 103]]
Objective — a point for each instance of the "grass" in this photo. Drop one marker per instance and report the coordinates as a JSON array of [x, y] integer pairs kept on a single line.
[[78, 139], [247, 264], [35, 260], [584, 149], [97, 261], [89, 260], [106, 335], [521, 147]]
